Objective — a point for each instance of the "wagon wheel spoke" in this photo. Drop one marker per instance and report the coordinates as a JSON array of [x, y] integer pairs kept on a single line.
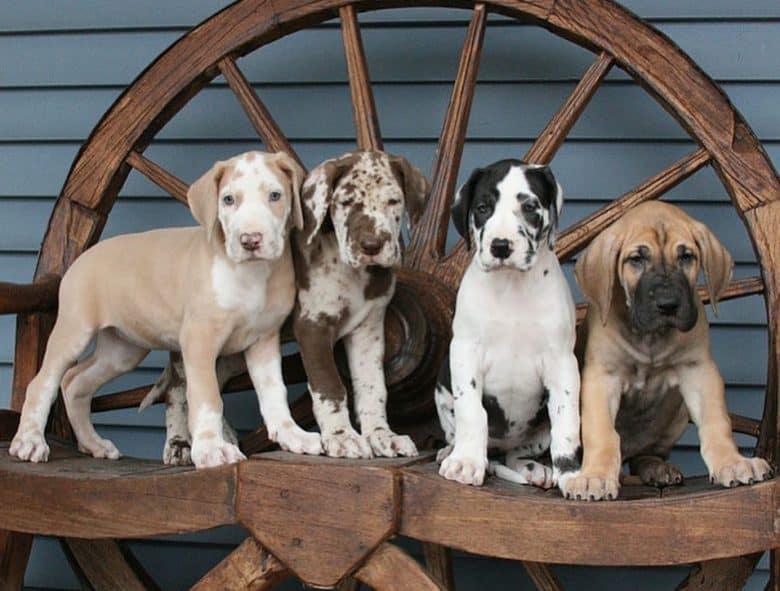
[[269, 131], [363, 107], [391, 569], [429, 238], [106, 564], [167, 181], [542, 576], [292, 371], [555, 132], [250, 567], [578, 236]]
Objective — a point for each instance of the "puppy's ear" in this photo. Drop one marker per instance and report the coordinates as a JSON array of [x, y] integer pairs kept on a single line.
[[716, 263], [596, 270], [461, 209], [318, 192], [415, 186], [544, 185], [202, 198], [290, 167]]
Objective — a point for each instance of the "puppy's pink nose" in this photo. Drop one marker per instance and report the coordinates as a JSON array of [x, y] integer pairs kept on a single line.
[[251, 241]]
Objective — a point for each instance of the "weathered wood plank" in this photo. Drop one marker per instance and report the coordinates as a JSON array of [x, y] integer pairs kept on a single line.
[[250, 567], [392, 569]]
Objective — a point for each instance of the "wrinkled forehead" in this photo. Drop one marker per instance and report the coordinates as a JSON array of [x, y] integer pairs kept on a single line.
[[658, 238], [371, 178], [252, 172]]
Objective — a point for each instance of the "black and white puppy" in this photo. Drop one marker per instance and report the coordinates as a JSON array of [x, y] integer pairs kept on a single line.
[[513, 385]]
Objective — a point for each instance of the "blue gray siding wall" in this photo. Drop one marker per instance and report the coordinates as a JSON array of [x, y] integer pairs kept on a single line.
[[63, 63]]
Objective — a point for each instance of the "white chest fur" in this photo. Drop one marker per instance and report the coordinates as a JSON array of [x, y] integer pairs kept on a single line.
[[240, 287]]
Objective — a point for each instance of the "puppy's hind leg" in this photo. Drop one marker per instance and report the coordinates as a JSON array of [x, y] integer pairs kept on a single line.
[[655, 471], [68, 340], [523, 470], [113, 356]]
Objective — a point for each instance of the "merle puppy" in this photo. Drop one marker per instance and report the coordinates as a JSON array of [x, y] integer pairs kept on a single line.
[[513, 384]]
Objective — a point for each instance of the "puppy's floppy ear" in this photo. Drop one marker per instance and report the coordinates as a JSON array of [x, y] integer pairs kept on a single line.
[[290, 167], [544, 185], [597, 268], [202, 198], [461, 209], [318, 192], [716, 262], [415, 186]]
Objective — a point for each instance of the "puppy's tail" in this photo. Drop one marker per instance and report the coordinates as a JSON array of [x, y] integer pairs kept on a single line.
[[159, 389]]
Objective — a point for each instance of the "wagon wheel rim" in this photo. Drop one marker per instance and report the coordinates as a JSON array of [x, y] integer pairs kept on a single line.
[[726, 142]]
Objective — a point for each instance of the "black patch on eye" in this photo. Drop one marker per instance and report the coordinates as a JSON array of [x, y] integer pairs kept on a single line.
[[569, 463], [542, 183], [498, 425]]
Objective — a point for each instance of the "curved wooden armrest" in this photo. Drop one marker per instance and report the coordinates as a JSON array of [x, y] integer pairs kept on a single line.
[[17, 298]]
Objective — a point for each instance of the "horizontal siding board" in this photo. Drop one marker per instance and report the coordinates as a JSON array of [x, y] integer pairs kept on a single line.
[[745, 51], [623, 164], [619, 111], [36, 15]]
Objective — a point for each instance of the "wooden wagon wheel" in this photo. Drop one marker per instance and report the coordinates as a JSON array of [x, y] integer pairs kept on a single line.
[[430, 509]]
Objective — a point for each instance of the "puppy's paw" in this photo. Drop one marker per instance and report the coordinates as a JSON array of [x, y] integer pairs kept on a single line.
[[214, 452], [385, 443], [587, 487], [100, 448], [345, 443], [29, 446], [294, 439], [741, 471], [177, 452], [464, 468], [537, 474], [443, 453], [660, 474]]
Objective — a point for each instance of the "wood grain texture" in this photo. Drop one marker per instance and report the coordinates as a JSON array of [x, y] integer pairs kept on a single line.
[[725, 574], [553, 135], [727, 522], [392, 569], [438, 559], [427, 241], [16, 298], [250, 567], [266, 126], [14, 553], [320, 516], [78, 496], [106, 565], [367, 130], [542, 576], [169, 183]]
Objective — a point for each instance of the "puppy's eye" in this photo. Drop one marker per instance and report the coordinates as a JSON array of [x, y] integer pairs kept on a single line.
[[528, 207], [274, 196], [687, 258], [636, 259], [393, 201], [228, 199], [346, 202], [482, 208]]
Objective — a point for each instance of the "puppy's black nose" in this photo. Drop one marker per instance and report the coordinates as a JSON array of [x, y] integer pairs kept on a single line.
[[370, 245], [667, 303], [500, 248], [251, 241]]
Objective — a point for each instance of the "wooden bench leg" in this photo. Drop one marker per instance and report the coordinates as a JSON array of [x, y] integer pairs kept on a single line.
[[250, 567], [774, 571], [723, 574], [438, 559], [391, 569], [14, 554]]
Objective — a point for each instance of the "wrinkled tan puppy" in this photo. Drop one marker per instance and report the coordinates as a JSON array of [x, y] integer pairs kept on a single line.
[[647, 360], [221, 288]]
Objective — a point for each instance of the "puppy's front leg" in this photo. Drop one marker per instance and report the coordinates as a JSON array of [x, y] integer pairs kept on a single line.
[[328, 395], [365, 352], [561, 377], [600, 474], [199, 354], [468, 460], [264, 362], [701, 386]]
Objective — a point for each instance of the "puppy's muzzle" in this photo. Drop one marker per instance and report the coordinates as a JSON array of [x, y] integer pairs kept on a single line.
[[251, 241], [370, 244], [667, 300], [501, 248]]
